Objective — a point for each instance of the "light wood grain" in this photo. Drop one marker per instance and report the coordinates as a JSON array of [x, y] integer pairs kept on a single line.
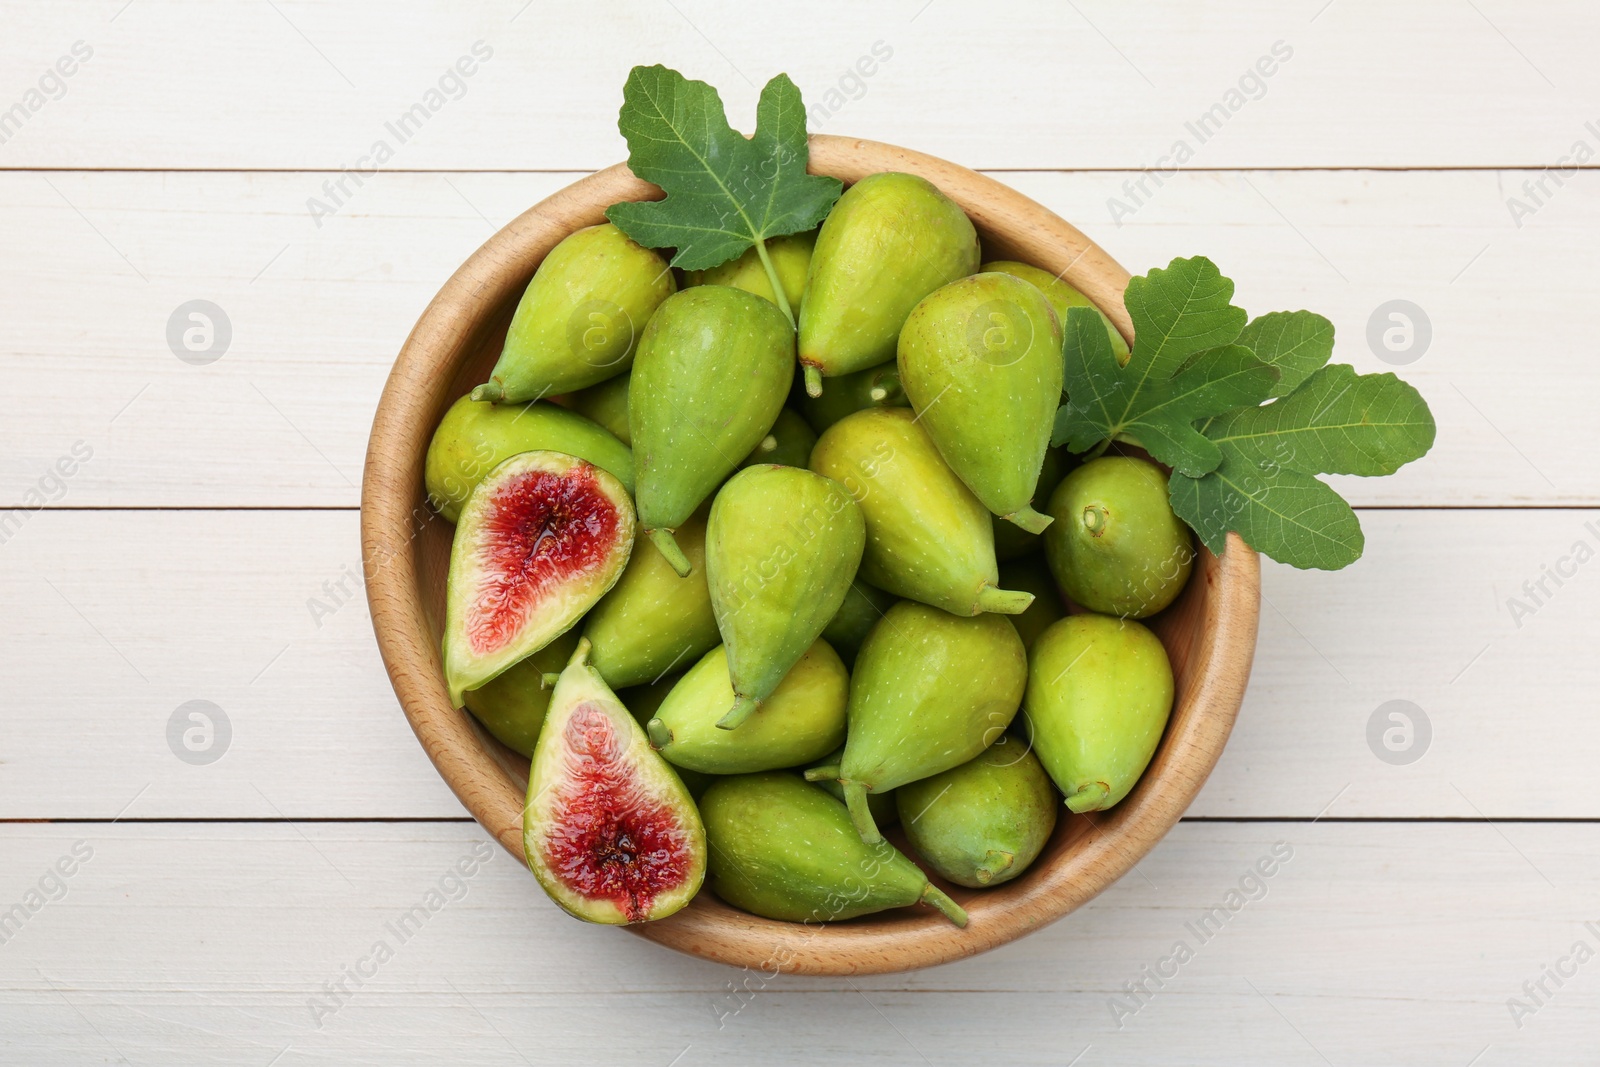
[[1381, 943], [202, 603], [282, 418], [310, 85]]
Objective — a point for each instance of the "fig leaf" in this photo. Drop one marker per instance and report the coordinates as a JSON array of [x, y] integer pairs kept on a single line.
[[725, 193]]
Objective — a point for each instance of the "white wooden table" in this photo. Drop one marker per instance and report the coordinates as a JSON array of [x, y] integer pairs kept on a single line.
[[198, 536]]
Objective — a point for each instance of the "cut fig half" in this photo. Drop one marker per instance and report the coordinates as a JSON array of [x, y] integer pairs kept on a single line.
[[609, 829], [540, 539]]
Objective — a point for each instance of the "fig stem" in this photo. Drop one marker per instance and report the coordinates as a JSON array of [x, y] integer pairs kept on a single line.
[[1003, 601], [743, 708], [490, 390], [781, 298], [660, 736], [1029, 520], [668, 546], [548, 680], [855, 798], [823, 774], [935, 897], [813, 377], [580, 655], [1091, 797]]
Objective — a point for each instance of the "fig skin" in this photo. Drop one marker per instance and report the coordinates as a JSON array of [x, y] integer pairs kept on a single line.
[[1061, 294], [930, 691], [791, 259], [655, 824], [863, 606], [1012, 541], [788, 443], [928, 537], [475, 437], [607, 405], [782, 546], [652, 621], [512, 706], [581, 316], [1116, 547], [712, 373], [890, 241], [984, 822], [875, 387], [473, 580], [802, 720], [1031, 575], [980, 359], [784, 850], [1099, 694]]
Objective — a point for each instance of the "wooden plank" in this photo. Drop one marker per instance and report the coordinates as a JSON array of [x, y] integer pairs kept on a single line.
[[100, 263], [1093, 84], [1388, 943], [119, 618]]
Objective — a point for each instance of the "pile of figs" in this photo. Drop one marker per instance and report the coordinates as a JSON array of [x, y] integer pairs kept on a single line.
[[749, 587]]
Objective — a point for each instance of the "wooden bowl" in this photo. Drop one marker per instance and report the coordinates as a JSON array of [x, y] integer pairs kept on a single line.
[[1210, 632]]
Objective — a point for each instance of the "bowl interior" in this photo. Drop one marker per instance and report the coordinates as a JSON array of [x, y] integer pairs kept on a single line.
[[1209, 632]]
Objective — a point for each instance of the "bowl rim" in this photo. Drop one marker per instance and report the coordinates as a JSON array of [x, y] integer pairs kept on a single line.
[[413, 398]]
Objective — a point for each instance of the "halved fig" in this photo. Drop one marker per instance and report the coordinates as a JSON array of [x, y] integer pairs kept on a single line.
[[608, 828], [538, 542]]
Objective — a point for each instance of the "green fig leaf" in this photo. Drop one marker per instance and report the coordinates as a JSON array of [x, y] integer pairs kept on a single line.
[[1177, 312], [1106, 400], [1336, 422], [1288, 515], [1298, 343], [724, 193]]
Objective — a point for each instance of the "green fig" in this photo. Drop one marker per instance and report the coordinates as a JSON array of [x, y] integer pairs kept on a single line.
[[606, 404], [791, 261], [980, 359], [782, 546], [984, 822], [875, 387], [1061, 296], [881, 805], [863, 606], [541, 538], [930, 691], [1012, 541], [609, 829], [1099, 693], [783, 850], [890, 241], [581, 316], [928, 537], [799, 722], [1118, 549], [713, 369], [512, 705], [654, 621], [1032, 576], [789, 443], [475, 437]]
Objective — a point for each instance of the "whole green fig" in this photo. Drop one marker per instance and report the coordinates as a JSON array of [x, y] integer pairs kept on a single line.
[[928, 537], [930, 691], [580, 317], [606, 404], [1099, 693], [1117, 548], [984, 822], [784, 850], [890, 241], [712, 373], [980, 359]]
